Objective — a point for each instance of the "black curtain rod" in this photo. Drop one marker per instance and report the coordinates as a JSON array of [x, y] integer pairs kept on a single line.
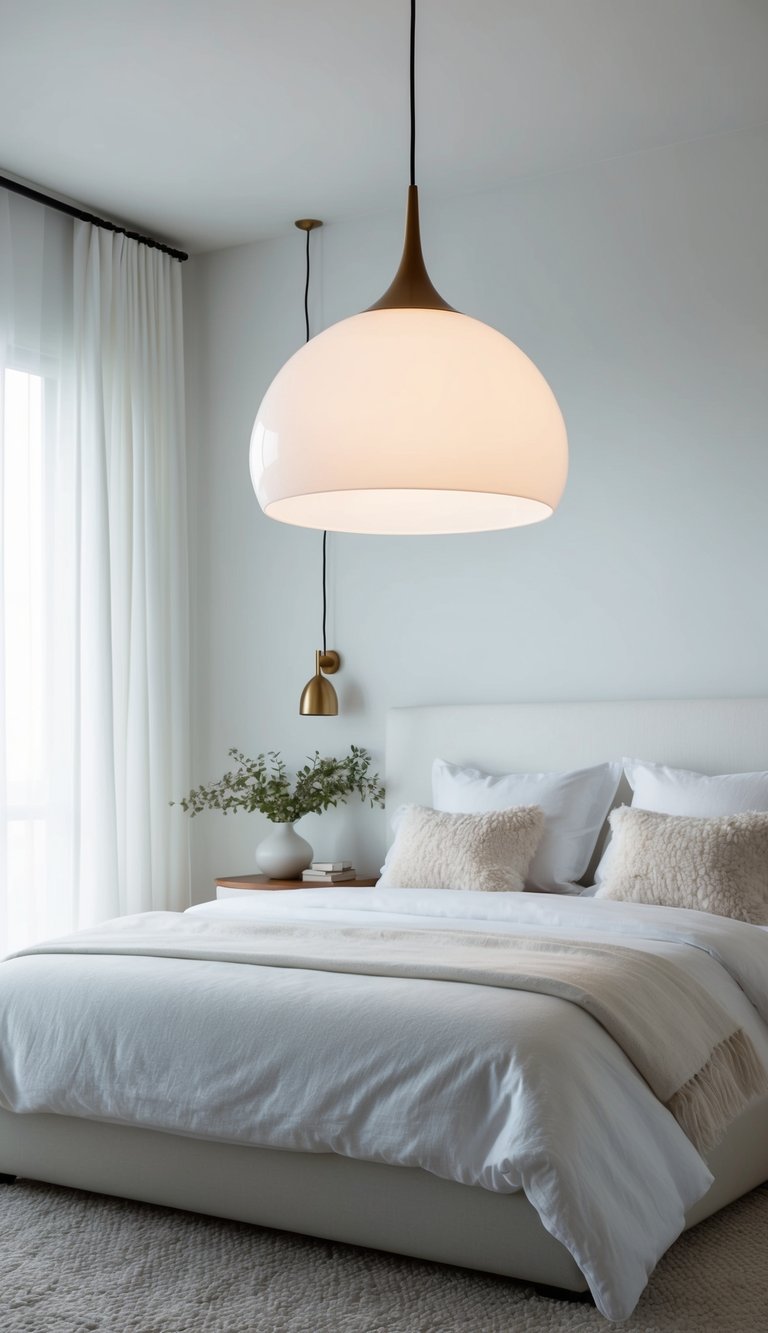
[[81, 214]]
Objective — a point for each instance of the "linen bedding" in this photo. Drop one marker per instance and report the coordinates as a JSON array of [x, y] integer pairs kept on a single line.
[[500, 1088]]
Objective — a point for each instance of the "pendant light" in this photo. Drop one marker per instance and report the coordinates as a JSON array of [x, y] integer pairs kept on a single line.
[[318, 698], [409, 417]]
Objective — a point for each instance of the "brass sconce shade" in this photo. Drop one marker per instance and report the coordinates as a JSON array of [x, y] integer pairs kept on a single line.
[[318, 698]]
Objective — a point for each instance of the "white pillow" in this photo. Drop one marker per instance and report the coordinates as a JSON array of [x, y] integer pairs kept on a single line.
[[489, 853], [717, 864], [575, 806], [677, 791]]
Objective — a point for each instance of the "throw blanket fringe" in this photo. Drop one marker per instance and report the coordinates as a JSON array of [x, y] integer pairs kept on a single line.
[[723, 1088]]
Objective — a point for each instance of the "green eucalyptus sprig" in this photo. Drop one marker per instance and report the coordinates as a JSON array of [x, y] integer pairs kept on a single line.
[[263, 784]]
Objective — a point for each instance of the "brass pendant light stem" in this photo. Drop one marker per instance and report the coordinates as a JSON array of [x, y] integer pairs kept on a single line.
[[412, 287]]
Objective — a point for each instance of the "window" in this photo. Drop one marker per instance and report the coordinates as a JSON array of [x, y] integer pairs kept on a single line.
[[93, 577]]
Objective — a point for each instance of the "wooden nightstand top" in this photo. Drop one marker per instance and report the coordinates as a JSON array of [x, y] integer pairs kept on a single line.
[[268, 885]]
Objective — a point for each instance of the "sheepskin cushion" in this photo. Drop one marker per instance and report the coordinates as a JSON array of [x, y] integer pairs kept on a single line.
[[715, 865], [489, 852]]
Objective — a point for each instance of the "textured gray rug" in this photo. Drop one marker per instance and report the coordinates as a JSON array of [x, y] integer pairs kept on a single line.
[[81, 1263]]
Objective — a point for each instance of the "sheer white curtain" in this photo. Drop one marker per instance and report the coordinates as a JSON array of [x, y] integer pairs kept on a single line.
[[93, 596]]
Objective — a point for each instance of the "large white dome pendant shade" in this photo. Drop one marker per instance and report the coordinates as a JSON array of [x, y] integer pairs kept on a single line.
[[409, 418]]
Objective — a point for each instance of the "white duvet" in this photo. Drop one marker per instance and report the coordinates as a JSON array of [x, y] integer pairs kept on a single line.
[[501, 1089]]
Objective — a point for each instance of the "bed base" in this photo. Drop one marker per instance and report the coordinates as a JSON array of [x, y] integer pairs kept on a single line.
[[400, 1209]]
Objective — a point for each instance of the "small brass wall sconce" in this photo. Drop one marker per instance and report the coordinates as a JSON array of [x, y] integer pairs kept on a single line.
[[318, 698]]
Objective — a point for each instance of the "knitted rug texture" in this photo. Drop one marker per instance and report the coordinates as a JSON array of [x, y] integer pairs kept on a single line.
[[72, 1262]]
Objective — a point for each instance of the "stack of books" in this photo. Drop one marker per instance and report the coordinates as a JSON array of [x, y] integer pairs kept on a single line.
[[329, 872]]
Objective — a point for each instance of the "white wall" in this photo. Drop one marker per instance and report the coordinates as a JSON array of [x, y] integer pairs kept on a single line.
[[640, 288]]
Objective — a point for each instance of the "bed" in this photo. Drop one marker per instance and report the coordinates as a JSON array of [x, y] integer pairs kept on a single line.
[[406, 1208]]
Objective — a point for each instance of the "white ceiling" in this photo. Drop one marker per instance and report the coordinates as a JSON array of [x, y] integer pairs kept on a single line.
[[212, 122]]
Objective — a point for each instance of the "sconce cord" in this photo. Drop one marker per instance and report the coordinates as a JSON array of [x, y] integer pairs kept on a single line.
[[325, 602], [325, 534], [306, 293]]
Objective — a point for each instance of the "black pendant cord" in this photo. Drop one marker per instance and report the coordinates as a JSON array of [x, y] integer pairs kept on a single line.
[[80, 213], [325, 534], [413, 92], [325, 599]]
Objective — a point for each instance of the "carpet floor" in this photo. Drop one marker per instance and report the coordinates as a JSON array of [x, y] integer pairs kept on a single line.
[[80, 1263]]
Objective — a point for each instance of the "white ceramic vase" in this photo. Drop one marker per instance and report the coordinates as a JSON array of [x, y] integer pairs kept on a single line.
[[283, 854]]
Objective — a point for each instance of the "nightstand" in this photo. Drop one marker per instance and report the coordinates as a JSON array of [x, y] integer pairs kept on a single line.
[[231, 885]]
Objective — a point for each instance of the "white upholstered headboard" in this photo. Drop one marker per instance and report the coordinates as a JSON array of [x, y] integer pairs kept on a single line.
[[708, 735]]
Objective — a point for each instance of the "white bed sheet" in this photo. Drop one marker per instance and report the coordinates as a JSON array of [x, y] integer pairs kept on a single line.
[[503, 1090]]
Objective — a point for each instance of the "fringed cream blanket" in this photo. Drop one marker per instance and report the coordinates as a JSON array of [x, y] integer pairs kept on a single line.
[[694, 1057]]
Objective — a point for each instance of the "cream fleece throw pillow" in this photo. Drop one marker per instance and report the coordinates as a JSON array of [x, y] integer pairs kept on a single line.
[[717, 865], [489, 852]]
